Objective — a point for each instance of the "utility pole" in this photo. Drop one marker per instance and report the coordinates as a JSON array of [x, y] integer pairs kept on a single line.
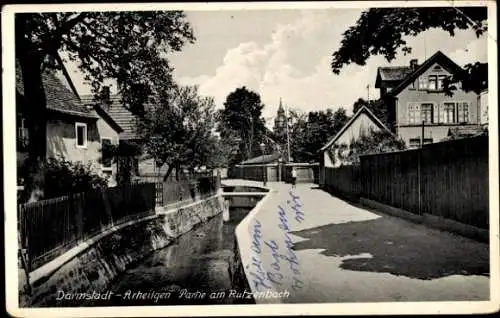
[[287, 133], [368, 90]]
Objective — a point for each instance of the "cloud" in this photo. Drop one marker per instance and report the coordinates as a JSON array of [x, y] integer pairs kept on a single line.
[[293, 65]]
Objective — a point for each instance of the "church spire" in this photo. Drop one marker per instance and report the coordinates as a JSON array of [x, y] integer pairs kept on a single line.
[[280, 108]]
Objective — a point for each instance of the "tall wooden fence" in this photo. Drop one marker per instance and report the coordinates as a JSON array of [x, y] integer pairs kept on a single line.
[[447, 179], [49, 226]]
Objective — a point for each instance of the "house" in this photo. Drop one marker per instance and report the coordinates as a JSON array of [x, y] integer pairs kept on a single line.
[[73, 131], [418, 104], [143, 164], [361, 123]]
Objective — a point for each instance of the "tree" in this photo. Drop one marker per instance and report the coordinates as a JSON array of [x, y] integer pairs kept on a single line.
[[129, 47], [178, 130], [242, 114], [377, 107], [311, 132], [380, 31]]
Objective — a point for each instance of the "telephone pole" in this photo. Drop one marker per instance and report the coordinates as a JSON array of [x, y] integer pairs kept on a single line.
[[287, 133]]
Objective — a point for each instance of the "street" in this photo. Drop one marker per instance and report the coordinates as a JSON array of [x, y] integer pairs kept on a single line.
[[347, 253]]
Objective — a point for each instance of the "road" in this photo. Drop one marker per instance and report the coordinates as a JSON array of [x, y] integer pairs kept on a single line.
[[347, 253]]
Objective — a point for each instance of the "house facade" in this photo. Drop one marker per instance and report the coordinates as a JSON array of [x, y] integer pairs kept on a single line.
[[360, 124], [129, 122], [73, 131], [417, 102]]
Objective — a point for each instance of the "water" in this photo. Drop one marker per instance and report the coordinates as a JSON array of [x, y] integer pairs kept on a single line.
[[199, 262]]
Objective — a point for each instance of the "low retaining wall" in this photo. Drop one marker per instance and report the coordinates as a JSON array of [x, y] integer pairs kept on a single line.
[[92, 265], [437, 222]]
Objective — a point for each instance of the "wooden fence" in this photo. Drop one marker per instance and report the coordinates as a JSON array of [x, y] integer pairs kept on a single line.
[[447, 179], [49, 227]]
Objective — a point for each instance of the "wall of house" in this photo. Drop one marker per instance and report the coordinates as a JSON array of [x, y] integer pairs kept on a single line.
[[106, 131], [437, 130], [61, 141], [483, 107], [360, 126]]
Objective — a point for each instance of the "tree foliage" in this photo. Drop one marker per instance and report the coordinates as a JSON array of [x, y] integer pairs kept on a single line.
[[177, 131], [129, 47], [380, 31], [310, 132], [241, 116], [377, 107], [63, 177]]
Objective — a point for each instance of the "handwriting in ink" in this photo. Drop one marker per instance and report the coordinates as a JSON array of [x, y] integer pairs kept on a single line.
[[273, 246], [260, 276], [256, 237], [295, 205]]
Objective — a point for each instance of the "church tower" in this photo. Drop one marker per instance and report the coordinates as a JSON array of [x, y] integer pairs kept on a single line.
[[280, 120], [279, 130]]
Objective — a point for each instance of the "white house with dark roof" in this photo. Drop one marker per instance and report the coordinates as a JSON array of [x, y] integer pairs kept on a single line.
[[414, 94], [361, 123], [74, 131]]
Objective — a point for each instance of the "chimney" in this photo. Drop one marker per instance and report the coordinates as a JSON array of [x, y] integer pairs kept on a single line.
[[413, 64], [105, 92]]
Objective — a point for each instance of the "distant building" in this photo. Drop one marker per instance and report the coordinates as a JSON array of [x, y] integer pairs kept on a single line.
[[414, 94], [280, 131]]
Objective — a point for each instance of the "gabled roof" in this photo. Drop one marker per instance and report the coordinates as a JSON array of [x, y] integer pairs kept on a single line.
[[391, 74], [262, 159], [58, 97], [439, 58], [121, 115], [107, 118], [362, 110]]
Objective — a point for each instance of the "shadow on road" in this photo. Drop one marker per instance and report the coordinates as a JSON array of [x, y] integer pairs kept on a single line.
[[397, 247]]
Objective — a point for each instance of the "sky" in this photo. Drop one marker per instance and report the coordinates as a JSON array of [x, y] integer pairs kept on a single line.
[[286, 54]]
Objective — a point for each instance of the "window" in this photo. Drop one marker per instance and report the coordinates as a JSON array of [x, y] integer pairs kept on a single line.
[[448, 115], [441, 79], [22, 134], [427, 113], [81, 135], [455, 112], [436, 82], [413, 113], [414, 142], [433, 82], [422, 83], [463, 112], [106, 156]]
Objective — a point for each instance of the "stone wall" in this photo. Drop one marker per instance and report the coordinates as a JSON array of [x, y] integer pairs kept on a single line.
[[103, 260]]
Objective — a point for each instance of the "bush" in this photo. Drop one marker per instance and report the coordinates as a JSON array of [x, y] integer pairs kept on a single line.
[[64, 177]]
